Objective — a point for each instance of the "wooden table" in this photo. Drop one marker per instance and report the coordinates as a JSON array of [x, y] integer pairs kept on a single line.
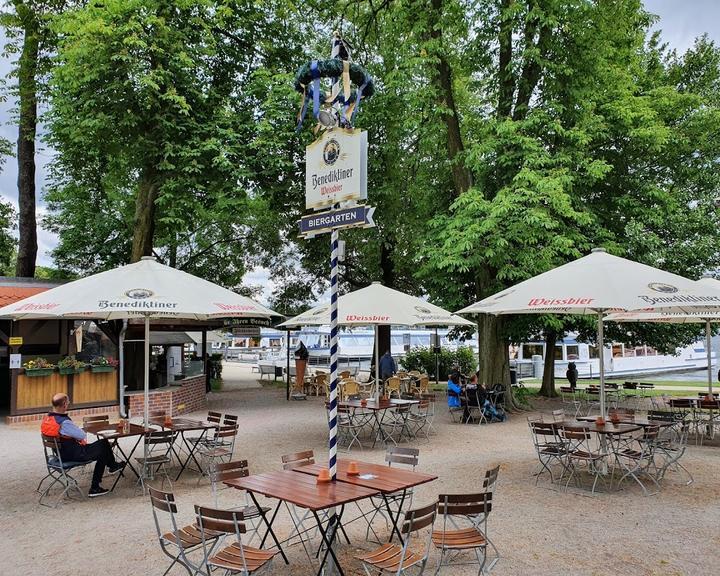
[[628, 419], [386, 480], [375, 408], [606, 429], [181, 426], [303, 491], [100, 429]]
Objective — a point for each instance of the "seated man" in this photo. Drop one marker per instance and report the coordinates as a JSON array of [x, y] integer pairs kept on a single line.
[[455, 398], [73, 446]]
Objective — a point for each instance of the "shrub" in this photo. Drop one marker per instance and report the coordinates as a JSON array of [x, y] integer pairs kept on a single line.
[[422, 358]]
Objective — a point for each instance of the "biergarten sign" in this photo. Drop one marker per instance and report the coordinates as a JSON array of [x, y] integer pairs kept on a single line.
[[336, 168], [320, 222]]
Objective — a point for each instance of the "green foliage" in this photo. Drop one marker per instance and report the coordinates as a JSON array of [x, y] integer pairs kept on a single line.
[[8, 244], [423, 359], [181, 99]]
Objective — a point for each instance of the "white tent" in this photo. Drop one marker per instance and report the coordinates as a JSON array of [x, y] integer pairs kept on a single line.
[[597, 284], [145, 289], [680, 318], [377, 305]]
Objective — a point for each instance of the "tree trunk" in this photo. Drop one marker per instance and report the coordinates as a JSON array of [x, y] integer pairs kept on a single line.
[[144, 222], [506, 77], [27, 89], [548, 382], [462, 178]]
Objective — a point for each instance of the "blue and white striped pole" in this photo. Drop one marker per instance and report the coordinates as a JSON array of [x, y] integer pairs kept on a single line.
[[334, 242]]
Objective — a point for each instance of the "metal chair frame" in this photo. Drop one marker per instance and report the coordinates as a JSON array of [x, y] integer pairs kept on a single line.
[[235, 558], [156, 454], [397, 559], [176, 543], [59, 472], [472, 510]]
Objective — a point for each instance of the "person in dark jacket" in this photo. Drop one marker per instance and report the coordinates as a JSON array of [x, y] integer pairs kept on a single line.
[[73, 445], [387, 366], [572, 374]]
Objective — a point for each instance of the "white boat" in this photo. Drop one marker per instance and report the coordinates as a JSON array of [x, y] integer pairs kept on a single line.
[[620, 359], [355, 345]]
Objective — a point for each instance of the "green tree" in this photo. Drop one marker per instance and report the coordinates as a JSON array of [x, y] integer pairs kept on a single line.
[[26, 26], [8, 244], [159, 117]]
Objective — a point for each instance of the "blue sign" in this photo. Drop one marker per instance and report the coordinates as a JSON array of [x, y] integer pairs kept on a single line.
[[321, 222]]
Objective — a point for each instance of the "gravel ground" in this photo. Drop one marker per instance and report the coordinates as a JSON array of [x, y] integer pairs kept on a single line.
[[539, 531]]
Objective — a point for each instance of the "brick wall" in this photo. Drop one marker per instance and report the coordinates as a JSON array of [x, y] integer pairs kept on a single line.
[[111, 411], [189, 397]]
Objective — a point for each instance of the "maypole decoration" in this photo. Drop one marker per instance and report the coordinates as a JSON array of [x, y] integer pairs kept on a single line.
[[335, 173]]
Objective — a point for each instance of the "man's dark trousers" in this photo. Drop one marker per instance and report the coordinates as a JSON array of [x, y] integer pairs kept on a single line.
[[98, 451]]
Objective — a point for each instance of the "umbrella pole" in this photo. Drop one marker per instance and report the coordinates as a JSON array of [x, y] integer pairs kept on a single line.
[[601, 357], [377, 366], [146, 399], [708, 351]]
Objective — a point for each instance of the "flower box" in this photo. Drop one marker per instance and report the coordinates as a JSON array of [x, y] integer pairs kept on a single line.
[[35, 372], [102, 368], [71, 370]]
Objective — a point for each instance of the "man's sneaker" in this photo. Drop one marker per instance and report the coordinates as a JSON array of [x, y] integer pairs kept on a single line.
[[99, 491], [112, 470]]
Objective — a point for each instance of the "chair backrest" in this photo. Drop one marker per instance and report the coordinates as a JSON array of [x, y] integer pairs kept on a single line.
[[223, 471], [629, 385], [214, 417], [100, 418], [52, 450], [304, 458], [224, 521], [611, 386], [646, 385], [558, 415], [392, 383], [229, 419], [158, 437], [345, 374], [465, 504], [681, 403], [419, 518], [424, 384], [490, 480], [321, 378], [577, 434], [164, 509], [350, 387], [402, 455]]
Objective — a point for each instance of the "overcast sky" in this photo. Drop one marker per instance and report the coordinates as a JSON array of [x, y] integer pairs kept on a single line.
[[681, 21]]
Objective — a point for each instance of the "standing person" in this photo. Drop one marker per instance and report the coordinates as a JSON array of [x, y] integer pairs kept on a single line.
[[387, 366], [73, 445], [572, 374]]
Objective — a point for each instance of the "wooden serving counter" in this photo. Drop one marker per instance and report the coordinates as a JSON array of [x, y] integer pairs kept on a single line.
[[33, 394]]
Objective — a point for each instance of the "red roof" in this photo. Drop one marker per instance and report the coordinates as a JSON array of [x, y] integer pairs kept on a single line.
[[11, 294]]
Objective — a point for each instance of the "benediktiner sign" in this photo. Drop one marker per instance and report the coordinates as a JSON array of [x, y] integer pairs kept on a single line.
[[336, 168]]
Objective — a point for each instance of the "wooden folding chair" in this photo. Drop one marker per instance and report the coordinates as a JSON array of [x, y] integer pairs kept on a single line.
[[235, 558]]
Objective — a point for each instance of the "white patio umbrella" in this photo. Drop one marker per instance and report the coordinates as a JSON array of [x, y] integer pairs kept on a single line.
[[377, 305], [597, 284], [680, 318], [145, 289]]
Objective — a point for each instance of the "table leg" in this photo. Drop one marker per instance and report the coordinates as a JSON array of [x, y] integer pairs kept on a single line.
[[127, 460], [394, 519], [263, 515], [191, 453], [332, 530]]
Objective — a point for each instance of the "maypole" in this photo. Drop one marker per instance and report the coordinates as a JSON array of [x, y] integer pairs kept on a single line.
[[335, 174]]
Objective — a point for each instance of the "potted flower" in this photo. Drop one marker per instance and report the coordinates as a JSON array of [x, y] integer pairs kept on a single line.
[[71, 365], [38, 367], [103, 364]]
